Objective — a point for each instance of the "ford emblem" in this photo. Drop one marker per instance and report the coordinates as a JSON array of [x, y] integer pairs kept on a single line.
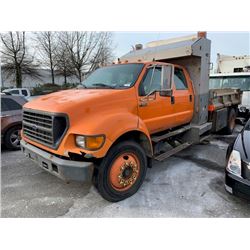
[[34, 127]]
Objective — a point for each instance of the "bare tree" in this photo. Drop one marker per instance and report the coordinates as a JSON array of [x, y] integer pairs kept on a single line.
[[103, 54], [16, 61], [87, 51], [47, 47], [64, 65], [80, 46]]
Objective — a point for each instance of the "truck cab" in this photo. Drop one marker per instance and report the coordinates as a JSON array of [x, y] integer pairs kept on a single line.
[[165, 96]]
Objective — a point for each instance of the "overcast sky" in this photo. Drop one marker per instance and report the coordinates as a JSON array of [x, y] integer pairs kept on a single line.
[[227, 43]]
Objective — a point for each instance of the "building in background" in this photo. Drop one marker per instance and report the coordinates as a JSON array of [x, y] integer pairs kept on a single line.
[[232, 64], [8, 81]]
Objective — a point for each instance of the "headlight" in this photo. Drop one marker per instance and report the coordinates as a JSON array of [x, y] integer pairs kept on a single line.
[[234, 163], [80, 141], [90, 142]]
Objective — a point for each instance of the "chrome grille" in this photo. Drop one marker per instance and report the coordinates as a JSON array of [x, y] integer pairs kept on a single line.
[[43, 128]]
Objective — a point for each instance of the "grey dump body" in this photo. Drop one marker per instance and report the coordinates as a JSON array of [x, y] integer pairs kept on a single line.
[[191, 52]]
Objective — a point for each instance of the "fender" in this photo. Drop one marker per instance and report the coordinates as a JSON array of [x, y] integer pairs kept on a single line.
[[113, 127], [127, 123]]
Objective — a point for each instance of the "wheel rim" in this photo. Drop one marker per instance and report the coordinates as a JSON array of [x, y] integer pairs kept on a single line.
[[15, 138], [124, 171]]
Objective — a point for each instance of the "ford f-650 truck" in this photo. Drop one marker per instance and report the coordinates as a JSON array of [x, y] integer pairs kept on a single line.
[[150, 105]]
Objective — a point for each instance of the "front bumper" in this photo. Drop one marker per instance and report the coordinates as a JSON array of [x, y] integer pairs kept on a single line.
[[64, 169], [237, 186]]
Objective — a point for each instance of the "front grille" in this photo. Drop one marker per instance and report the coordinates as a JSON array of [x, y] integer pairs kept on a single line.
[[44, 128]]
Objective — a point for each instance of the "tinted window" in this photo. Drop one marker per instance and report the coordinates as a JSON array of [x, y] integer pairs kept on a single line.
[[151, 81], [3, 106], [235, 82], [9, 104], [24, 92], [179, 79], [15, 92], [215, 83]]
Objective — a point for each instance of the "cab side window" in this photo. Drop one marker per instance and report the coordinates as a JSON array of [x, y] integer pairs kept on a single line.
[[24, 92], [7, 104], [180, 79], [151, 81], [3, 105], [15, 92]]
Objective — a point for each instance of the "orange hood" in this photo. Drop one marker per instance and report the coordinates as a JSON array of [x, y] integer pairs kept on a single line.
[[68, 101]]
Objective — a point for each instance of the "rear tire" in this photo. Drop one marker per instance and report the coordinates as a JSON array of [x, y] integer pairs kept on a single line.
[[230, 122], [12, 138], [122, 171]]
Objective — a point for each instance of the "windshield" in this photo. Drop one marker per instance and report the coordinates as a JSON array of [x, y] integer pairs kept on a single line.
[[235, 82], [115, 77]]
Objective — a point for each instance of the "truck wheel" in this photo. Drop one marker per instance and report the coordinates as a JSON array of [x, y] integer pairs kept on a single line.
[[12, 138], [121, 172], [230, 122]]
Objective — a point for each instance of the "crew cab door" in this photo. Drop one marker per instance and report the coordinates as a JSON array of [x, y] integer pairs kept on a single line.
[[154, 104], [182, 97]]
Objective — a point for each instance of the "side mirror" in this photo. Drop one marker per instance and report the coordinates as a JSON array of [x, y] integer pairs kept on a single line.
[[166, 92]]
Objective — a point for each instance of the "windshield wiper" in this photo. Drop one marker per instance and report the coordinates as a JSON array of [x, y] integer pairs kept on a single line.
[[102, 85]]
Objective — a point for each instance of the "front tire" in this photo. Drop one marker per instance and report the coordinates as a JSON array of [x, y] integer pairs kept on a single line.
[[122, 171], [12, 138]]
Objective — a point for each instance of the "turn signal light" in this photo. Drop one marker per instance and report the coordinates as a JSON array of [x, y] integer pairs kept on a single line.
[[90, 142]]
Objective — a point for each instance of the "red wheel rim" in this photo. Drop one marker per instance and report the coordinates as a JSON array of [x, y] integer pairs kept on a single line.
[[124, 171]]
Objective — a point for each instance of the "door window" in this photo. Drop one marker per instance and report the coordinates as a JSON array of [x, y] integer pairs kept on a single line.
[[9, 104], [167, 72], [180, 79], [15, 92], [151, 81], [3, 105], [24, 92]]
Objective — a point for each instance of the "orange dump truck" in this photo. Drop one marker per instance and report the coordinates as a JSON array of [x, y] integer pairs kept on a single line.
[[150, 105]]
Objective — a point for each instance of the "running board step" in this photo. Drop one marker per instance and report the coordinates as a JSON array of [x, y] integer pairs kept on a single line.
[[171, 152], [169, 134]]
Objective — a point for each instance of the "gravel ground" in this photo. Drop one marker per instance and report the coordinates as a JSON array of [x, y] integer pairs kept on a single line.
[[190, 184]]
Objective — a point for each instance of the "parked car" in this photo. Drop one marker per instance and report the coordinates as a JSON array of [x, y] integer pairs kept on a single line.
[[238, 164], [18, 92], [11, 120]]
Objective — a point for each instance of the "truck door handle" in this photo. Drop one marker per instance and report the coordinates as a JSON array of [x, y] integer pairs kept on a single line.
[[143, 104], [190, 98], [172, 100]]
